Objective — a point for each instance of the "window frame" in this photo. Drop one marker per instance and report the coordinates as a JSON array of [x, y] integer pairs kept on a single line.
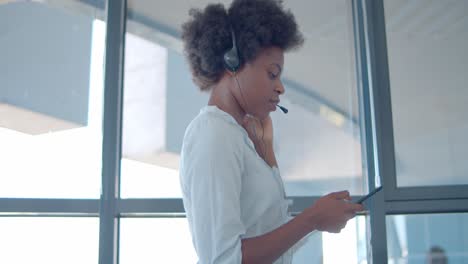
[[377, 145], [384, 119]]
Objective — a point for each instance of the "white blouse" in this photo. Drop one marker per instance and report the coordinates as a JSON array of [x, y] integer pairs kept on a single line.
[[229, 191]]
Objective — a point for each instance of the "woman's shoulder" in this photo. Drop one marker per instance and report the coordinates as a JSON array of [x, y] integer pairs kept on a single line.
[[214, 125]]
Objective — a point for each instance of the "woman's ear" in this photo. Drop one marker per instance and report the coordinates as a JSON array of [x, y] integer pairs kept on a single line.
[[230, 73]]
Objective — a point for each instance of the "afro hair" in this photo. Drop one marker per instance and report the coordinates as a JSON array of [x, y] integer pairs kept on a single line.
[[257, 24]]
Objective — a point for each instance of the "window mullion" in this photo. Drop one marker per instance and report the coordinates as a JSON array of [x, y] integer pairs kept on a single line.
[[112, 131]]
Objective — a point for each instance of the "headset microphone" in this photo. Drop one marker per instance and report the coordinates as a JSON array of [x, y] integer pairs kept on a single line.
[[284, 109]]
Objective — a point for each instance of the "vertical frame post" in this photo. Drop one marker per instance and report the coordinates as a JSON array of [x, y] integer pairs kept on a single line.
[[112, 130]]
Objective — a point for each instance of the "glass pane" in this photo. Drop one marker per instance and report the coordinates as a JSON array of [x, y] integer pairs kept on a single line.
[[159, 102], [318, 143], [427, 239], [322, 248], [427, 56], [155, 240], [140, 239], [150, 155], [52, 240], [51, 99]]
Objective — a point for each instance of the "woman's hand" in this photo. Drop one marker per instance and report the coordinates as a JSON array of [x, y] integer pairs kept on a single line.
[[331, 212], [261, 134], [259, 130]]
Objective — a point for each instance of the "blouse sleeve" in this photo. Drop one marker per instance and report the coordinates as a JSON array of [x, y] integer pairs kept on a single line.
[[212, 171]]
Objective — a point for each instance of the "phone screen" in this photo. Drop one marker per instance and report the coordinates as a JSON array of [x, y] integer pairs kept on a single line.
[[362, 199]]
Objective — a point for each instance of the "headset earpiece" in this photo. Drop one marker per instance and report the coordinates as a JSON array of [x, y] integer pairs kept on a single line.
[[231, 57]]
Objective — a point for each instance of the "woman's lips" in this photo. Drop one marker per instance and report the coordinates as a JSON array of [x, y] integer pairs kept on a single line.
[[273, 104]]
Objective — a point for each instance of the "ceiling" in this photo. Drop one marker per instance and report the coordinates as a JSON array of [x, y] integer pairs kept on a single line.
[[31, 122], [424, 38]]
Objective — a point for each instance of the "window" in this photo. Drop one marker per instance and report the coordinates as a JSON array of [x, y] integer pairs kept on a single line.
[[420, 238], [322, 126], [318, 143], [55, 105], [160, 100], [427, 62], [321, 248], [50, 101], [49, 239], [156, 240]]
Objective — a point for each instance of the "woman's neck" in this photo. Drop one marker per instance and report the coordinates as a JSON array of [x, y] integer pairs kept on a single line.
[[222, 97]]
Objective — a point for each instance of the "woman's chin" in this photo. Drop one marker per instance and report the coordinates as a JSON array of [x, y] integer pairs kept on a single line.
[[264, 115]]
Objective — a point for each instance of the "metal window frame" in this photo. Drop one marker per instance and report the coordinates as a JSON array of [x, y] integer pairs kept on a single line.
[[373, 81], [376, 225], [34, 206], [383, 109], [394, 199], [112, 129]]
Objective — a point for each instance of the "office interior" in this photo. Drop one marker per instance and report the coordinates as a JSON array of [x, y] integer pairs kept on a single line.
[[95, 96]]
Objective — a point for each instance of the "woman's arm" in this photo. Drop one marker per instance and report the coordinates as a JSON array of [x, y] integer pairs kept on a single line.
[[330, 213], [270, 246]]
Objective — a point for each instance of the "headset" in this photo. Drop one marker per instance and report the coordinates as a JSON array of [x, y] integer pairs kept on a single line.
[[231, 57], [232, 62]]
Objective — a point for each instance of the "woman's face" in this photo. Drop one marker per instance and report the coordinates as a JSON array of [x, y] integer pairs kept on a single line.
[[260, 83]]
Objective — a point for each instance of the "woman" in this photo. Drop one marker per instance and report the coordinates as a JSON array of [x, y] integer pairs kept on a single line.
[[232, 190]]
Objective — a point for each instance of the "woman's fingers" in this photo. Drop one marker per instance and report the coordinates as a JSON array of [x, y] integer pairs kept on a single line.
[[258, 129], [251, 125], [342, 195], [356, 207]]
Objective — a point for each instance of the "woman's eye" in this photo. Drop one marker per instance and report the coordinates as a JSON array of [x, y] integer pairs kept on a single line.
[[272, 75]]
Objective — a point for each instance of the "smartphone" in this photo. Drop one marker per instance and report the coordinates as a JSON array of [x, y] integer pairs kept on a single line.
[[362, 199]]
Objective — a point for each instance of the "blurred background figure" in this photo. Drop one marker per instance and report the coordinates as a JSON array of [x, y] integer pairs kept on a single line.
[[436, 255]]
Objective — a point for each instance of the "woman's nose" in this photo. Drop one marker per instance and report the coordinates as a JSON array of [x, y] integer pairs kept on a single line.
[[280, 87]]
